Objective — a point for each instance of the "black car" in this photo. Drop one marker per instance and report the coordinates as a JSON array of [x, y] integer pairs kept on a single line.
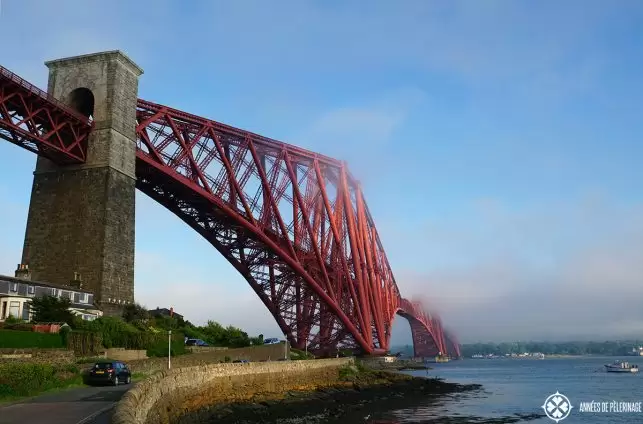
[[112, 372]]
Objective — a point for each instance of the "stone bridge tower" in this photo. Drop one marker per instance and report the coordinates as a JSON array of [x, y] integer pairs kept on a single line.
[[81, 217]]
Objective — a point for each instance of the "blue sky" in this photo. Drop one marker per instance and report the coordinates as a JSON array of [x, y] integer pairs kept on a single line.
[[499, 143]]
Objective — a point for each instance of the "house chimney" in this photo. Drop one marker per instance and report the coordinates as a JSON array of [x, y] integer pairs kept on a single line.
[[23, 272], [77, 282]]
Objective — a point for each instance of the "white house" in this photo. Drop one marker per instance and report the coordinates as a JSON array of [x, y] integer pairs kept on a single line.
[[16, 294]]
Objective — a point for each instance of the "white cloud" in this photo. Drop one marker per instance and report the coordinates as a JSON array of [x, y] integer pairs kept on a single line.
[[362, 134]]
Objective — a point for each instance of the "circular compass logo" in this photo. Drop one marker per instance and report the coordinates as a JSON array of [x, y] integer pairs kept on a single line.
[[557, 407]]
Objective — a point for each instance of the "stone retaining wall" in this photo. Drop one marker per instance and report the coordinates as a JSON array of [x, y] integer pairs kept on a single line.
[[37, 356], [121, 354], [273, 352], [205, 349], [169, 394]]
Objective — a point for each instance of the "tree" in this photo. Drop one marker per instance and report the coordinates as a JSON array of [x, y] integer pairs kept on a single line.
[[135, 312], [257, 341], [236, 337], [51, 309]]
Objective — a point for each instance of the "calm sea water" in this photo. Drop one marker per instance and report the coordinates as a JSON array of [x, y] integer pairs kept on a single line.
[[521, 386]]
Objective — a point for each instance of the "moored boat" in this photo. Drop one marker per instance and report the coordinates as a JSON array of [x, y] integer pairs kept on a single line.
[[619, 366]]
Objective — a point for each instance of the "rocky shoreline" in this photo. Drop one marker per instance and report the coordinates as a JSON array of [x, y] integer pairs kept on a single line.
[[399, 365], [358, 393]]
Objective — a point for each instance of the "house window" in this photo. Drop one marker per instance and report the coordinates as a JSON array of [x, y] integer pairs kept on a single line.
[[31, 290], [26, 311], [14, 309], [84, 298], [14, 287], [53, 292]]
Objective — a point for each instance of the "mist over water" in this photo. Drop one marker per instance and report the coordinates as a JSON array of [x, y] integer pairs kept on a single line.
[[569, 274]]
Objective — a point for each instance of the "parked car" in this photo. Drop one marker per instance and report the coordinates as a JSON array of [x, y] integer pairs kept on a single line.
[[112, 372], [240, 361], [273, 340], [195, 342]]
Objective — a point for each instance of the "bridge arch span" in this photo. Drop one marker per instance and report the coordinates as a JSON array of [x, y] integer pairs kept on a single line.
[[426, 331], [293, 223]]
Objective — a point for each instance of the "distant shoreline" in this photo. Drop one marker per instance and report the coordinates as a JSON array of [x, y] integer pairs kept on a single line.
[[563, 355], [560, 355]]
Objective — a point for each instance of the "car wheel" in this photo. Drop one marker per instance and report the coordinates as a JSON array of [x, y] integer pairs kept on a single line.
[[115, 380]]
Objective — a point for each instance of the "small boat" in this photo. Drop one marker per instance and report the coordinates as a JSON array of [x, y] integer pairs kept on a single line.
[[619, 366]]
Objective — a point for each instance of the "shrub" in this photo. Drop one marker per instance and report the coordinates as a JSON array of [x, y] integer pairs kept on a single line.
[[19, 326], [297, 355], [64, 334], [28, 339], [85, 343], [13, 320], [23, 379], [115, 332], [159, 347]]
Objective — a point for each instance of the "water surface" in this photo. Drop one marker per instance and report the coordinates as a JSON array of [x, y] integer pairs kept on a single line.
[[521, 386]]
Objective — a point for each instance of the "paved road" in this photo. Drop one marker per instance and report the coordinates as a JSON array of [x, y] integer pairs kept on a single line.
[[85, 405]]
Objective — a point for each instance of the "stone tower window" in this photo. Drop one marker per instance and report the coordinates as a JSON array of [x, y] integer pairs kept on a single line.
[[82, 101]]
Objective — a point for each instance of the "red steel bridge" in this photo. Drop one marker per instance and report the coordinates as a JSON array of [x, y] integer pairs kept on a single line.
[[293, 222]]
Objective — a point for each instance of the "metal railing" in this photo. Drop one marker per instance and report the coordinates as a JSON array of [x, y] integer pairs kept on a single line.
[[4, 72]]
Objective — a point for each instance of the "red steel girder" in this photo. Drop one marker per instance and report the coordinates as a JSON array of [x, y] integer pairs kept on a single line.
[[452, 344], [294, 223], [424, 345], [36, 121]]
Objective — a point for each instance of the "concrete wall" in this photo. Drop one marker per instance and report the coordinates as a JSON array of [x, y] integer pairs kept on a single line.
[[205, 357], [164, 396], [273, 352]]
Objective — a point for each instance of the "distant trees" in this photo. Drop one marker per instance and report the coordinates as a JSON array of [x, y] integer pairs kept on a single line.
[[217, 335], [255, 341], [552, 348], [212, 333], [51, 309], [135, 312]]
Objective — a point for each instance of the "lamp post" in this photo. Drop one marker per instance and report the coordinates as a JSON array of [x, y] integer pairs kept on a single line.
[[169, 349], [286, 348], [169, 339]]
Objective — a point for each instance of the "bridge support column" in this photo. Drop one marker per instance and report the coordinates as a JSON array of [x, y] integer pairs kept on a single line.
[[81, 217]]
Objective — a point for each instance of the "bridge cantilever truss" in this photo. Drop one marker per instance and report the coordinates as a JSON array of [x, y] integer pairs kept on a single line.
[[294, 223], [34, 120]]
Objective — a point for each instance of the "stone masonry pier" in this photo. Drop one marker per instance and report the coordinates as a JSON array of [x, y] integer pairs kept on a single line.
[[166, 396]]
